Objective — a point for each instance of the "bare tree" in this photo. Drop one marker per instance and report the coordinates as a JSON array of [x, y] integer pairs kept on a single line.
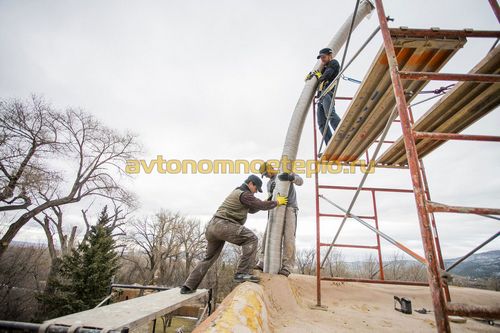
[[394, 268], [23, 272], [335, 265], [116, 220], [155, 237], [305, 259], [369, 268], [493, 283], [97, 152], [48, 224], [56, 230], [415, 271], [28, 131], [191, 239], [132, 267]]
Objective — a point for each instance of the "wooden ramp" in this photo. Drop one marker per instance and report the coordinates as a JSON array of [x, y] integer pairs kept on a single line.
[[370, 108], [130, 314], [463, 105]]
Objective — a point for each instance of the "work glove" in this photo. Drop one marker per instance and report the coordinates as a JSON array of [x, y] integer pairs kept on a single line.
[[286, 177], [310, 75], [281, 199]]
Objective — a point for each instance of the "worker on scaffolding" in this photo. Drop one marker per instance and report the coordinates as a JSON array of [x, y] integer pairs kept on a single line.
[[331, 68], [290, 226], [227, 225]]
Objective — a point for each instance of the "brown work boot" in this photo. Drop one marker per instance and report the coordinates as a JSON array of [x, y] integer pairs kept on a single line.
[[284, 272], [259, 267]]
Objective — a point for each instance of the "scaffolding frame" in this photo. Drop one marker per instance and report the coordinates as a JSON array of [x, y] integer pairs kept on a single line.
[[436, 272]]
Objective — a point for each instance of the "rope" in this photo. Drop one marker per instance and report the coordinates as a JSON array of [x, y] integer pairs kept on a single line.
[[428, 99], [350, 79], [437, 91]]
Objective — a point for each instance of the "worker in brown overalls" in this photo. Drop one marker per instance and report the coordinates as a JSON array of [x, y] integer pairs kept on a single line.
[[227, 225]]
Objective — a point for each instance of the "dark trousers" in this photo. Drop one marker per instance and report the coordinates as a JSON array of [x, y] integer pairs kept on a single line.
[[217, 233], [322, 114]]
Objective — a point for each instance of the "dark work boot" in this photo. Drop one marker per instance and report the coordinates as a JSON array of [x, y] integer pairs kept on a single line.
[[187, 290], [241, 277]]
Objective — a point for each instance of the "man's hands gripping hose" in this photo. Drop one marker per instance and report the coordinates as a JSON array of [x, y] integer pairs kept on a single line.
[[286, 177], [310, 75], [281, 199]]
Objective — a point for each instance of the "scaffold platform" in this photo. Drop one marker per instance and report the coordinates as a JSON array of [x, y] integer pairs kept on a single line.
[[460, 107], [371, 107]]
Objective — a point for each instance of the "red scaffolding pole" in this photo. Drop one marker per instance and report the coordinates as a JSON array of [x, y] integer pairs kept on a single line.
[[373, 217], [425, 206], [438, 297]]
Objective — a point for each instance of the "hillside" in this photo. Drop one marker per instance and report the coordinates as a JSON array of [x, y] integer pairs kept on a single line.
[[479, 265]]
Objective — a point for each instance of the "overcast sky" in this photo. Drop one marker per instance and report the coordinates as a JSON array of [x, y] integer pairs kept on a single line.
[[219, 80]]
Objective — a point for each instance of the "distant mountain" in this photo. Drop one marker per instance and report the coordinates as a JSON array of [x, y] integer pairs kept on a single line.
[[479, 265]]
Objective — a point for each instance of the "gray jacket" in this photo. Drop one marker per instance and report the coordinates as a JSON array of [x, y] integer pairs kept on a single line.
[[292, 195]]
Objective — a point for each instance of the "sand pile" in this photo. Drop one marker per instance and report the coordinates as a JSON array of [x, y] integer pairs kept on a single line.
[[289, 306]]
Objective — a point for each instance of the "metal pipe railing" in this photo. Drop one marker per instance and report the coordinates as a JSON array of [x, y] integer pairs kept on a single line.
[[16, 326], [362, 182], [433, 270], [378, 232]]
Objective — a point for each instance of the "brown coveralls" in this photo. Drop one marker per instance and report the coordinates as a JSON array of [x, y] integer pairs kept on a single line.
[[227, 226]]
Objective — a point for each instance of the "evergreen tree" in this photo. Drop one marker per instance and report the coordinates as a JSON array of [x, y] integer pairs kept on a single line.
[[84, 275]]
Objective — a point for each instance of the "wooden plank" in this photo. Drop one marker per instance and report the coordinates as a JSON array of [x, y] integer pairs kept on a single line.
[[132, 313], [370, 108], [463, 105]]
